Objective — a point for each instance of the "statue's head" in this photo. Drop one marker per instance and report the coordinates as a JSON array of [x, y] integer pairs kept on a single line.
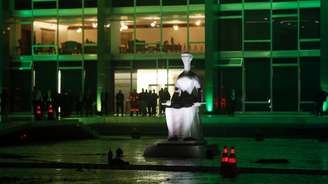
[[186, 58]]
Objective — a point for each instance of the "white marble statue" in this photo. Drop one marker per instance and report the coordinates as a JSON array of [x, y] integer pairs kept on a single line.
[[181, 112]]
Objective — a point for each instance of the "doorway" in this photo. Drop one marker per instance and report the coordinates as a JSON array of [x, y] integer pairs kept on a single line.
[[285, 88]]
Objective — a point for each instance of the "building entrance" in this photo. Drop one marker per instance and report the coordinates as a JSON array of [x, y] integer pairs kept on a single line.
[[285, 89]]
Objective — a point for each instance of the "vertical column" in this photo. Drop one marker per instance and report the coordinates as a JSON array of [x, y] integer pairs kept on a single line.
[[324, 45], [105, 74], [1, 45], [211, 7]]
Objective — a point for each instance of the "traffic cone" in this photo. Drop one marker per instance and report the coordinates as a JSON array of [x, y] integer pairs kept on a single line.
[[224, 160], [232, 162], [38, 112], [50, 112]]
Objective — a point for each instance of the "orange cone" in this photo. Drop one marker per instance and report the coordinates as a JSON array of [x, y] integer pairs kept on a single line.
[[232, 162], [224, 160]]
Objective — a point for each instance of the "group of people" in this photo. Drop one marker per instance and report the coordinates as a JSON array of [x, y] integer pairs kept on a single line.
[[68, 102], [143, 103]]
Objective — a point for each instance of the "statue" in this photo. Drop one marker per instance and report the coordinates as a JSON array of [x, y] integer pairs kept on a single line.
[[185, 139], [182, 111]]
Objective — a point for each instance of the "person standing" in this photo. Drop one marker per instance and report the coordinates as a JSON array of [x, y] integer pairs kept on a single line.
[[233, 102], [154, 97], [134, 106], [161, 100], [119, 103], [142, 102], [104, 102]]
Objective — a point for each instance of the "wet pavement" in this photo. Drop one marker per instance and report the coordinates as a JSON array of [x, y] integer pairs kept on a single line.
[[301, 154]]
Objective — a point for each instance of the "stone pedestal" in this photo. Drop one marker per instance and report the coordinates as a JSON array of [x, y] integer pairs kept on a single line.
[[177, 149]]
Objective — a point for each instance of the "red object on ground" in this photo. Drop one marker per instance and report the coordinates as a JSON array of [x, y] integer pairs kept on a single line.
[[232, 158], [50, 111], [38, 112]]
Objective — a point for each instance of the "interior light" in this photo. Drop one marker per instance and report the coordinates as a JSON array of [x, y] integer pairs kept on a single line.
[[79, 30], [94, 25], [198, 22], [52, 26], [107, 25], [123, 27], [153, 24], [175, 27]]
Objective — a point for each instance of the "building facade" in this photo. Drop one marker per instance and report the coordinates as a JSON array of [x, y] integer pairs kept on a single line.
[[268, 51]]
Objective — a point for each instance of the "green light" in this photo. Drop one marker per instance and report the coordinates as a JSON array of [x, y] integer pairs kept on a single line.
[[325, 105], [209, 103], [98, 101]]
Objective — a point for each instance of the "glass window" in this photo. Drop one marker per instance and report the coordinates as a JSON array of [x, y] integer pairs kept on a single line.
[[197, 33], [90, 3], [257, 46], [21, 38], [120, 3], [257, 79], [257, 25], [70, 35], [45, 5], [121, 34], [285, 33], [282, 0], [90, 35], [175, 33], [310, 23], [148, 34], [310, 80], [230, 34], [70, 3], [174, 2], [45, 36], [310, 45], [196, 1], [148, 2], [230, 1], [23, 4], [256, 0]]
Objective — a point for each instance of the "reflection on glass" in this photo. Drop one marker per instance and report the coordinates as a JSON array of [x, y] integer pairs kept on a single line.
[[285, 33], [310, 23], [45, 36], [148, 34], [197, 33], [70, 35], [121, 34], [257, 25], [22, 36], [230, 34], [174, 33], [90, 35]]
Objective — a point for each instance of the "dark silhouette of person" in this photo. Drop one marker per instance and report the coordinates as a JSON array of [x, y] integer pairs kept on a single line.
[[119, 103], [148, 101], [154, 97], [4, 105], [134, 102], [142, 102], [161, 100], [104, 102], [233, 102], [109, 156], [118, 161]]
